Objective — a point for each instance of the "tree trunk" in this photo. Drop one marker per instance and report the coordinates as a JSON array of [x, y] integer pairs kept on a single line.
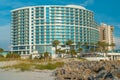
[[56, 50]]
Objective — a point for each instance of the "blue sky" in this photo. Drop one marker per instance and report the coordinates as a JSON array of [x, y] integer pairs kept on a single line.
[[106, 11]]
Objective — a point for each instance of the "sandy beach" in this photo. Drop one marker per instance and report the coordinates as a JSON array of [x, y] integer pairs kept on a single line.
[[27, 75]]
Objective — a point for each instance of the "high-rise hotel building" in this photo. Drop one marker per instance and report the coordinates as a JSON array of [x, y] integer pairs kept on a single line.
[[34, 28], [106, 35]]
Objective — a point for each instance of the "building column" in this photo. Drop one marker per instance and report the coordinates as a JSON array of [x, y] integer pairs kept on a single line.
[[111, 57], [117, 57]]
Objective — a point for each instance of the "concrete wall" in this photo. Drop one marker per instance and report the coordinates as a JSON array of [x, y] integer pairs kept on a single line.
[[96, 58]]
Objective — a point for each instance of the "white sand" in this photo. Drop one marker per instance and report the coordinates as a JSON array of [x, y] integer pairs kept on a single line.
[[27, 75], [8, 63]]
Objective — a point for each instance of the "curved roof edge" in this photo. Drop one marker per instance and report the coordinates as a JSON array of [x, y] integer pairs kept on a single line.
[[76, 6], [72, 6]]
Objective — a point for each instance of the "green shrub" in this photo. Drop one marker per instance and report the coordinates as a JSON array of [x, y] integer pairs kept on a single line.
[[1, 50], [23, 66], [1, 56], [49, 66], [59, 64], [13, 55]]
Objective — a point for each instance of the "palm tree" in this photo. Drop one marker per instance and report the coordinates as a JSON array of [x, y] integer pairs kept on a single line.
[[79, 44], [103, 46], [80, 50], [63, 52], [98, 44], [46, 55], [58, 50], [73, 52], [112, 45], [69, 43], [56, 43], [106, 47]]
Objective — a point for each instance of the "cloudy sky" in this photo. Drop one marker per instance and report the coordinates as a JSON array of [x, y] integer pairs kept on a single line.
[[105, 11]]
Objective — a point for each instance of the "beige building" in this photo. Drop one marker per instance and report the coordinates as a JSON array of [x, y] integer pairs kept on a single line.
[[106, 34]]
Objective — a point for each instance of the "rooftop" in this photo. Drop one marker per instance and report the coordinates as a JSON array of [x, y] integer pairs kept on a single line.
[[76, 6], [72, 6]]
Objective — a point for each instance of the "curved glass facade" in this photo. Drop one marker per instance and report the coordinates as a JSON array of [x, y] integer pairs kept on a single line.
[[36, 27]]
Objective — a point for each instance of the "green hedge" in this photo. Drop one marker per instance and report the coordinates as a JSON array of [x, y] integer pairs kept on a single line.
[[12, 55]]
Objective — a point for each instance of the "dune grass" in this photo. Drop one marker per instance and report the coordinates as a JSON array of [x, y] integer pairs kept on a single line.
[[3, 59], [34, 66], [21, 67], [9, 59], [49, 66]]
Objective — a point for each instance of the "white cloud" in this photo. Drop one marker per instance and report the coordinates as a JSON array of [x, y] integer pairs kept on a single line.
[[87, 2]]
